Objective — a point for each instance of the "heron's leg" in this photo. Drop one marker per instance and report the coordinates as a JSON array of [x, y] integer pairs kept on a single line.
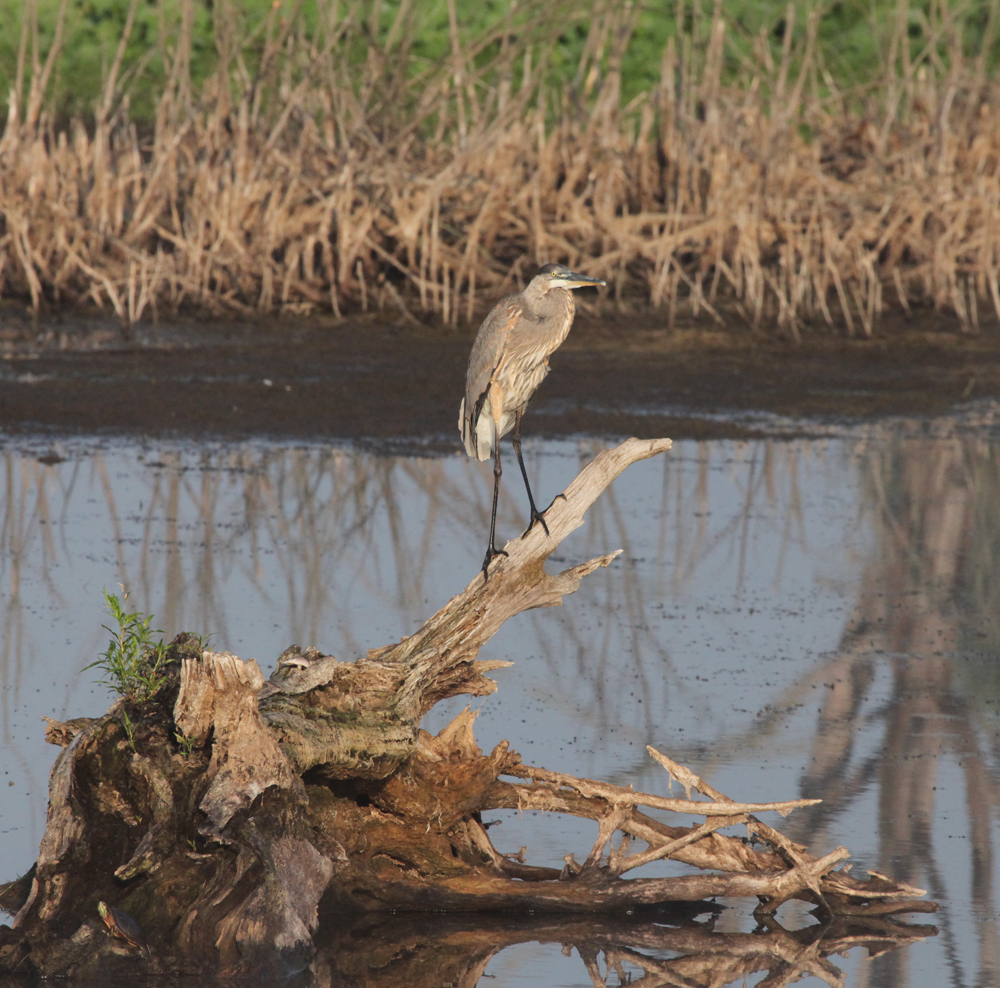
[[536, 515], [491, 549]]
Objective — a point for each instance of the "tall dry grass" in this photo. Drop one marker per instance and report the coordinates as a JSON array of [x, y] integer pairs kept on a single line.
[[304, 179]]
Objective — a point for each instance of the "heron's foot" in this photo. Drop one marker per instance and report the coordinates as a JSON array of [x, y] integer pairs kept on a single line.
[[491, 552], [539, 516]]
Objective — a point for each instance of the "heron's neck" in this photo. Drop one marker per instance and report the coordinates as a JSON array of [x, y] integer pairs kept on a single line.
[[556, 302]]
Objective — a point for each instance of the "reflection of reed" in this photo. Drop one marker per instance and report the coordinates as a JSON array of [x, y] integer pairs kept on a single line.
[[26, 535], [918, 640], [339, 525], [694, 533], [933, 502]]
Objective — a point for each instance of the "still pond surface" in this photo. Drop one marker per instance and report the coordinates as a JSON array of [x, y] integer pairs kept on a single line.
[[809, 617]]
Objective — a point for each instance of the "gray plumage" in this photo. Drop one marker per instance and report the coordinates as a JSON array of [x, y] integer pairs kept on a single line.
[[509, 359]]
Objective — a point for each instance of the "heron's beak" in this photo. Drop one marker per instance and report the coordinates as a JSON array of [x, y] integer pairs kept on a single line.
[[574, 280]]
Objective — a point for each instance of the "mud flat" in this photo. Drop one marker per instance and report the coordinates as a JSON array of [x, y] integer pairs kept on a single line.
[[374, 379]]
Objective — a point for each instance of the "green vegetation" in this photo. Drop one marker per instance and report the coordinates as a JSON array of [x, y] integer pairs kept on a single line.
[[133, 663], [186, 744], [853, 41]]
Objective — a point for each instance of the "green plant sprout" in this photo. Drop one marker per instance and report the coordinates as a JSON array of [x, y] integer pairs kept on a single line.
[[129, 726], [133, 663], [186, 744]]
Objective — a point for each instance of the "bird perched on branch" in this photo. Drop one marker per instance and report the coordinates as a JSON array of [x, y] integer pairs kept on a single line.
[[509, 359]]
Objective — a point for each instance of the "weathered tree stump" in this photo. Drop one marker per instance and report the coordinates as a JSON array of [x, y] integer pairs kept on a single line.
[[245, 811]]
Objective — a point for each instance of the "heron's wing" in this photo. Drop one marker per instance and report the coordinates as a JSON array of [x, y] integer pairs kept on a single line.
[[487, 354]]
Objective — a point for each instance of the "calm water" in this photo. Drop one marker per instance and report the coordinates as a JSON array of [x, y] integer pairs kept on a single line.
[[809, 617]]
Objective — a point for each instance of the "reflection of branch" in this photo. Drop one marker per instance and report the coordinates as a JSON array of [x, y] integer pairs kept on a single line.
[[422, 952]]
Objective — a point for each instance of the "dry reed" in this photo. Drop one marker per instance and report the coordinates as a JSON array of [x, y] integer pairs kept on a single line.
[[302, 185]]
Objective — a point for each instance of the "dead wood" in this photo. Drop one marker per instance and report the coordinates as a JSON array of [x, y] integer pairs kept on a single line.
[[228, 816]]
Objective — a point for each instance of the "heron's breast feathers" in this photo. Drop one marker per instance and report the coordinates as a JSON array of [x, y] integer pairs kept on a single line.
[[520, 373]]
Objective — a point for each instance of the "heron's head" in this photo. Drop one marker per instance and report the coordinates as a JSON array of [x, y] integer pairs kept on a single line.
[[560, 276]]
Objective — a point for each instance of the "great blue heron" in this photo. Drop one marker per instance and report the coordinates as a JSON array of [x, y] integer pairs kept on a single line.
[[509, 359]]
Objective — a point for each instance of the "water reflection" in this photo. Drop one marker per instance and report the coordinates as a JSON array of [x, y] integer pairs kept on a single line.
[[793, 618], [665, 948], [926, 622]]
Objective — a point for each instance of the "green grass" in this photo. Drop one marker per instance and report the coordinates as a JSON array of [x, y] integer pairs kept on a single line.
[[852, 39]]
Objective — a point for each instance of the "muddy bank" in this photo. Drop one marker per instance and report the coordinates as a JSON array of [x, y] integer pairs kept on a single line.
[[374, 380]]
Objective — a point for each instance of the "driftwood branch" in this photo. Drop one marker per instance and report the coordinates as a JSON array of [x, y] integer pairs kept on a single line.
[[236, 814]]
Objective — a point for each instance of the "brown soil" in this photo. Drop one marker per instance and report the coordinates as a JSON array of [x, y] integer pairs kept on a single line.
[[372, 380]]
